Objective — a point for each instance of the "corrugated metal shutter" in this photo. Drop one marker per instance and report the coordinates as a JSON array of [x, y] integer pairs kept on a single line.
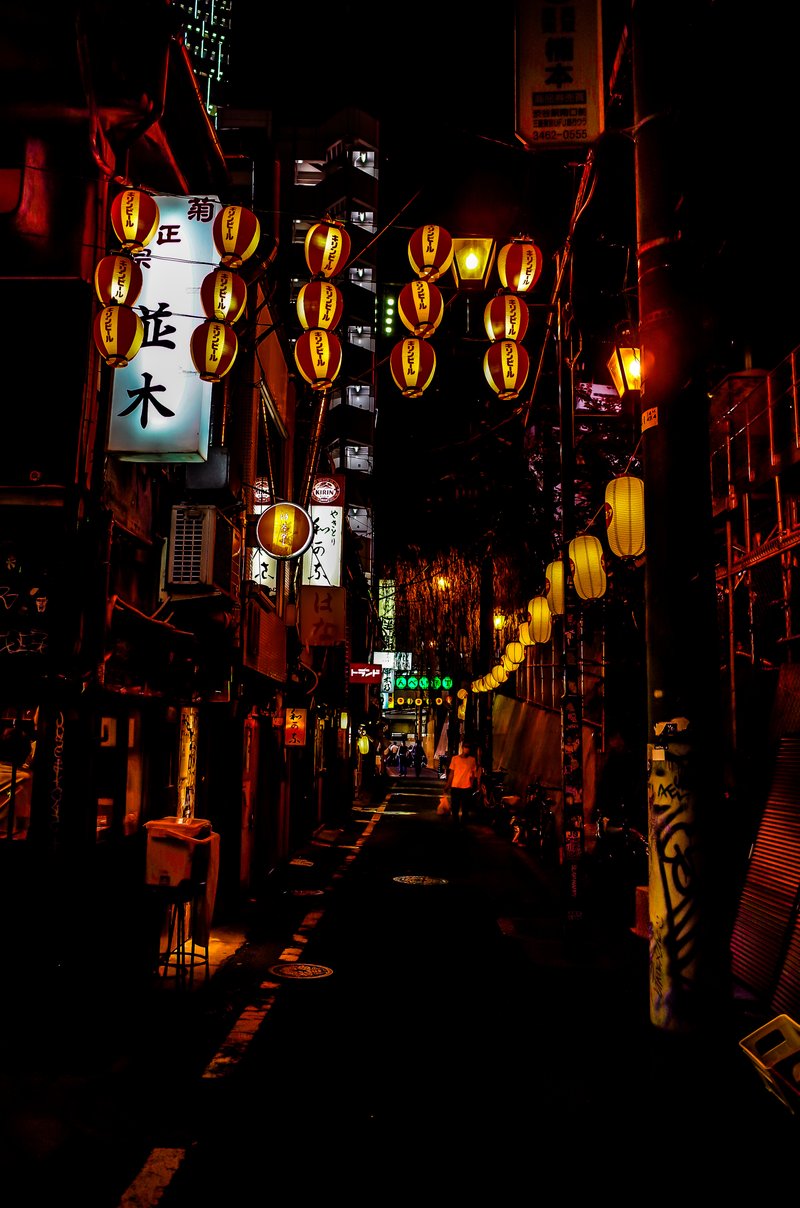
[[765, 942]]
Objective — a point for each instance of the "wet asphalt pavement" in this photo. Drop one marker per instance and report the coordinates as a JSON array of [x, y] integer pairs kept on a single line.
[[408, 1015]]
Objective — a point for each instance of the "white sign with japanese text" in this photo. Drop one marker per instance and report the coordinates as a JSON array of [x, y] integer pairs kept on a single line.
[[322, 562], [160, 408], [559, 73]]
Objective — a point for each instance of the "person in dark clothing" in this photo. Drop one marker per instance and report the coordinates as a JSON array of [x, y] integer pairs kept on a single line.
[[418, 756], [403, 758]]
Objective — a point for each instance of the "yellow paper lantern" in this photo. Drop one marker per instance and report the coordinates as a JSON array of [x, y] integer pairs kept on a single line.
[[515, 652], [363, 744], [624, 508], [554, 586], [541, 619], [500, 674], [588, 567], [525, 634]]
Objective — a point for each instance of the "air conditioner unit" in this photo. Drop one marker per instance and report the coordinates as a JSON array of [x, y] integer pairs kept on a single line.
[[201, 548]]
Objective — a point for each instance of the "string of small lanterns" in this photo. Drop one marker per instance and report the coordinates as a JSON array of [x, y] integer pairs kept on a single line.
[[412, 361], [623, 509], [118, 330], [506, 362], [223, 293], [318, 351]]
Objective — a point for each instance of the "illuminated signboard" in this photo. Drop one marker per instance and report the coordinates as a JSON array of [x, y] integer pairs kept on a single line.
[[160, 407]]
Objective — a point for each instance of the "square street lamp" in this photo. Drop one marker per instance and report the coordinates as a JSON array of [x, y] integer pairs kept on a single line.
[[473, 259], [625, 368]]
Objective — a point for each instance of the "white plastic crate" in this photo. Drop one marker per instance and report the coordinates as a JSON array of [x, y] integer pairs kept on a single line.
[[774, 1050]]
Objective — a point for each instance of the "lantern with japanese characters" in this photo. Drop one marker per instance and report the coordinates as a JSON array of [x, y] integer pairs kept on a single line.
[[519, 265], [118, 280], [505, 317], [318, 356], [134, 219], [412, 363], [624, 510], [213, 347], [430, 252], [505, 366], [327, 248], [588, 567], [118, 334], [320, 304], [420, 307], [554, 586], [540, 619], [223, 295], [236, 233]]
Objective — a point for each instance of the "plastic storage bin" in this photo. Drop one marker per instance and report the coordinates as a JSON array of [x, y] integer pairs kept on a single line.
[[774, 1050], [176, 851]]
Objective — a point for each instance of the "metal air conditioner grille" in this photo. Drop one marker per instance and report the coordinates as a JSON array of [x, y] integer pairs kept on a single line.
[[190, 540]]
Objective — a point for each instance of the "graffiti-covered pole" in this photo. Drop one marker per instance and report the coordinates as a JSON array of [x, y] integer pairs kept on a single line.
[[688, 949]]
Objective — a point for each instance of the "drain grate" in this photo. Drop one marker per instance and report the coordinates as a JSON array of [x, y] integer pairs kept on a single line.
[[298, 972], [415, 880]]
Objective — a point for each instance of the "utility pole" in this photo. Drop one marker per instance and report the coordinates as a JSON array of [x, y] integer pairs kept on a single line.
[[688, 944]]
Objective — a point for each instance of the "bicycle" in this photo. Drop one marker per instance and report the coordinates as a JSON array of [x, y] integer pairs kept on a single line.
[[534, 823]]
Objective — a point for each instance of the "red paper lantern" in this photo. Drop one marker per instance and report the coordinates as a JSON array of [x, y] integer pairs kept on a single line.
[[430, 251], [412, 363], [318, 355], [421, 307], [213, 346], [118, 333], [505, 367], [117, 280], [223, 295], [236, 233], [506, 317], [519, 265], [134, 218], [320, 304], [327, 249]]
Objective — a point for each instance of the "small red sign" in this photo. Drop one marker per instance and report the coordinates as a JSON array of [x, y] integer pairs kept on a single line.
[[365, 673]]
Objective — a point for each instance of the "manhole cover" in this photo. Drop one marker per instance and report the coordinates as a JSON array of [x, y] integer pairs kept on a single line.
[[421, 880], [307, 893], [398, 813], [300, 972]]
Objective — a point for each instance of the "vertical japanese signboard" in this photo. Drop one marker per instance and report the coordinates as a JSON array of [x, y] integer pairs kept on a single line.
[[160, 407], [296, 726], [322, 564], [559, 73], [322, 615]]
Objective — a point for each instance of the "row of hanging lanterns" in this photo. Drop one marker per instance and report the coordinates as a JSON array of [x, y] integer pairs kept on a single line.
[[223, 293], [625, 530], [118, 330], [320, 306], [506, 362], [118, 279], [412, 361]]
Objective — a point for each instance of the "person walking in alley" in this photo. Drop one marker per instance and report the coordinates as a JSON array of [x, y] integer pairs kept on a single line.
[[402, 756], [418, 757], [462, 779]]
